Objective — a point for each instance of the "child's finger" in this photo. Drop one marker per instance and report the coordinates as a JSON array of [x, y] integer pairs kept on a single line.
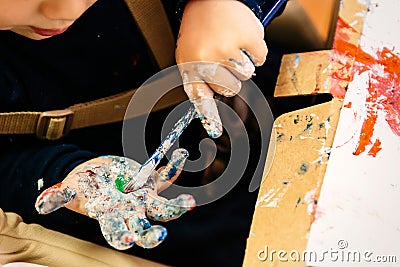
[[218, 77], [202, 98], [152, 237], [161, 209], [116, 232], [54, 198], [170, 173], [207, 110]]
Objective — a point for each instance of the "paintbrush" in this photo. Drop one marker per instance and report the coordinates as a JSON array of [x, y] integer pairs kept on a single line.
[[151, 163], [272, 12]]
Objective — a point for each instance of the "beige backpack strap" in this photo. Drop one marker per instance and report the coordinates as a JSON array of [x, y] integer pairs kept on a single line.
[[55, 124], [154, 25]]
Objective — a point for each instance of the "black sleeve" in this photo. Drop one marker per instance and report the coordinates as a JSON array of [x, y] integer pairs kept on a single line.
[[24, 163], [259, 7], [24, 159]]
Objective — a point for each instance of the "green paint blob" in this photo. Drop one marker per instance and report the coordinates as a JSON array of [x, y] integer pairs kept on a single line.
[[121, 181]]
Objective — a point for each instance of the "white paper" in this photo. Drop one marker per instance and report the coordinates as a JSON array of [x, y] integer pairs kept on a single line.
[[358, 215]]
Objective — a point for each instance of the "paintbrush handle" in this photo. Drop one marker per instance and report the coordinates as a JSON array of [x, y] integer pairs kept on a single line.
[[150, 165], [272, 12]]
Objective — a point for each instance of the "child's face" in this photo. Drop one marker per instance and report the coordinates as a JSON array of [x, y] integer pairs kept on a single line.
[[40, 19]]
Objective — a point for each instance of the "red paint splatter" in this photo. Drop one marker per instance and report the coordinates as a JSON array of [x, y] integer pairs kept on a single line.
[[367, 131], [341, 27], [384, 87], [375, 148], [49, 191], [318, 213], [348, 105], [314, 212], [317, 80], [57, 185]]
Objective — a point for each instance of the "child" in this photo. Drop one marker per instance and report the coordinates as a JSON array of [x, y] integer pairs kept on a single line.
[[54, 54]]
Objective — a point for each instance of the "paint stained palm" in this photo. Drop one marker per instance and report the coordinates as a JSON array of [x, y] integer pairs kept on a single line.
[[93, 189]]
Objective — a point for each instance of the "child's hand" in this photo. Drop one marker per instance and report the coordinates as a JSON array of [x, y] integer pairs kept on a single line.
[[220, 42], [92, 189]]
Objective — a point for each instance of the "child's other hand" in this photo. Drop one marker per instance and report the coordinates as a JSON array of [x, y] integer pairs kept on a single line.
[[92, 188], [220, 42]]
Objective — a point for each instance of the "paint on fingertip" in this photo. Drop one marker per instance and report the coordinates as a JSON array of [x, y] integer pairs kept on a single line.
[[213, 127], [152, 237], [248, 66], [144, 223], [116, 233], [171, 209], [162, 236], [211, 123], [53, 198], [176, 163], [245, 65], [128, 240]]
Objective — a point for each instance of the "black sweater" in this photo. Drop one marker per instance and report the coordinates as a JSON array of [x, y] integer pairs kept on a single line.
[[100, 55]]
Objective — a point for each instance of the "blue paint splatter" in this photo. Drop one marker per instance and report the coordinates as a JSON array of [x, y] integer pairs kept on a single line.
[[172, 171], [144, 223], [303, 169], [163, 235], [296, 120], [296, 61], [308, 126], [298, 201]]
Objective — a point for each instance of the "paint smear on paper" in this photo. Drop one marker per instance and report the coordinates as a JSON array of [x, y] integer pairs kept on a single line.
[[384, 94], [348, 105]]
